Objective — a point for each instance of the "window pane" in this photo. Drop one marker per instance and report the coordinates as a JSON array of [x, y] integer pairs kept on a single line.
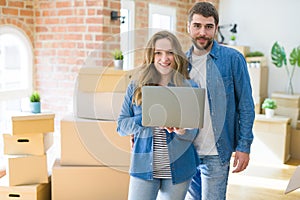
[[13, 63], [161, 21]]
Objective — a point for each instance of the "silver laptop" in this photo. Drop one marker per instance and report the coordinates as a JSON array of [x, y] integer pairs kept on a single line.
[[181, 107]]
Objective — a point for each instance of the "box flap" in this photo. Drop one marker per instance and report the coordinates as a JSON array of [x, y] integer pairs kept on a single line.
[[31, 116]]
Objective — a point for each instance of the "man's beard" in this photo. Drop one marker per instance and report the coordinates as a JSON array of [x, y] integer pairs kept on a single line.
[[209, 42]]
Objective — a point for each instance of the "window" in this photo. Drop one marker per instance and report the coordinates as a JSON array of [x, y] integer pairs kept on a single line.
[[16, 61], [127, 34], [161, 17]]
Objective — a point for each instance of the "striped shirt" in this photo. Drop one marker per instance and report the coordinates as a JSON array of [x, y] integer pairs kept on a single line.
[[161, 161]]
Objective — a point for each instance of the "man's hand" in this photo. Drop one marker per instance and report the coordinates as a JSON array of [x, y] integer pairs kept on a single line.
[[241, 161]]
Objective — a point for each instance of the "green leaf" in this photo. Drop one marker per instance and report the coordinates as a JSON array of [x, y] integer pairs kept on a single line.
[[278, 55], [35, 97], [295, 57]]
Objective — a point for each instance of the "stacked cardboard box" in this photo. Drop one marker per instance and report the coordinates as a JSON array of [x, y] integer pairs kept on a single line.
[[28, 163], [94, 159], [272, 139], [288, 105], [258, 71]]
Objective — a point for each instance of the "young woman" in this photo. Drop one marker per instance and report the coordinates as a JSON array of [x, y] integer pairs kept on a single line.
[[163, 159]]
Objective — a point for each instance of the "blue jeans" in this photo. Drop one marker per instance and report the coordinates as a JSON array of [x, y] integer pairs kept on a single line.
[[162, 189], [210, 181]]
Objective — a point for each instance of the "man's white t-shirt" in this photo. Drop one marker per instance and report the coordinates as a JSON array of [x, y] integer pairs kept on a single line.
[[205, 141]]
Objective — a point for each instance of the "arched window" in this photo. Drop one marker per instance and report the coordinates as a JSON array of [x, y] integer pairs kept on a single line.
[[16, 61]]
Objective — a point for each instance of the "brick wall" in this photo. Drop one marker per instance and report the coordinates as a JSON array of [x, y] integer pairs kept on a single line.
[[19, 14], [65, 32]]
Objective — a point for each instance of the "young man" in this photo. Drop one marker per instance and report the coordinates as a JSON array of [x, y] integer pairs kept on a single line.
[[229, 113]]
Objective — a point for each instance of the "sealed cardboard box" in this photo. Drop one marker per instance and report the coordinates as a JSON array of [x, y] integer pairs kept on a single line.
[[242, 49], [258, 100], [100, 105], [286, 100], [91, 79], [26, 192], [272, 139], [290, 112], [295, 141], [25, 123], [89, 182], [259, 81], [93, 142], [25, 170], [31, 144], [262, 60]]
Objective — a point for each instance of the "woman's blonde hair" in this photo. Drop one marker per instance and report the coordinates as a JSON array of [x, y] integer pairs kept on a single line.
[[148, 75]]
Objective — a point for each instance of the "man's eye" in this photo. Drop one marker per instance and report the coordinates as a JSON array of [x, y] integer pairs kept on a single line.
[[157, 53]]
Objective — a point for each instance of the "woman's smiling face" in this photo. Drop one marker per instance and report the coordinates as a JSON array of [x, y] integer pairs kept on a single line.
[[164, 56]]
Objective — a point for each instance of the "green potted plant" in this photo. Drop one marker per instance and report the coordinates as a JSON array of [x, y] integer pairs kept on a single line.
[[118, 59], [269, 105], [279, 59], [35, 102], [232, 40]]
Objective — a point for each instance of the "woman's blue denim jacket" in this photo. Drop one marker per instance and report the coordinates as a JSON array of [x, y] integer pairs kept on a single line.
[[230, 100], [182, 153]]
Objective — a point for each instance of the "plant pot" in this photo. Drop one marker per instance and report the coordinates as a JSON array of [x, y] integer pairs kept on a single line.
[[35, 107], [232, 42], [118, 64], [269, 112]]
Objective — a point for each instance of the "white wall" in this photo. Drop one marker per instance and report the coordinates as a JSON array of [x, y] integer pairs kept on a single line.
[[260, 24]]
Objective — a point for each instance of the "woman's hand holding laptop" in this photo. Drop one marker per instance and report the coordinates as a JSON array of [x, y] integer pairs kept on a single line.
[[179, 131]]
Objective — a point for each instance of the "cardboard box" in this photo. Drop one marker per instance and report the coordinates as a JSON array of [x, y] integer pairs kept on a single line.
[[93, 142], [31, 144], [25, 123], [294, 182], [286, 100], [258, 100], [89, 182], [92, 79], [26, 192], [292, 113], [259, 59], [103, 105], [25, 170], [295, 141], [272, 137], [259, 81], [242, 49]]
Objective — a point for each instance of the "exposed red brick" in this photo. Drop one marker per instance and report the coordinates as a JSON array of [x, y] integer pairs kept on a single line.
[[10, 11], [2, 2], [26, 13], [19, 4], [65, 12]]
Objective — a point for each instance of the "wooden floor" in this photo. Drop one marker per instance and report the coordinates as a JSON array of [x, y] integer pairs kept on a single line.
[[260, 182], [263, 182]]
